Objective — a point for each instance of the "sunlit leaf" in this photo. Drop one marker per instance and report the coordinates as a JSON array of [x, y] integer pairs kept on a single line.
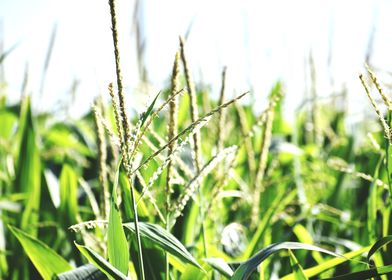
[[245, 269], [164, 240], [46, 261], [97, 260], [118, 250]]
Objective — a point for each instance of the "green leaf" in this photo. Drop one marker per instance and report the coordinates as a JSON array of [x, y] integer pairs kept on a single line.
[[8, 122], [46, 261], [364, 274], [280, 201], [145, 115], [68, 195], [246, 268], [380, 243], [28, 174], [103, 265], [372, 204], [316, 270], [297, 268], [126, 197], [87, 271], [304, 236], [193, 273], [118, 250], [164, 240], [220, 265]]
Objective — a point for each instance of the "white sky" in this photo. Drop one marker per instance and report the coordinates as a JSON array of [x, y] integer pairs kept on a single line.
[[260, 42]]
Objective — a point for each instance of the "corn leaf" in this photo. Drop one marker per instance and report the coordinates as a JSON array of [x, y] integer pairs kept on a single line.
[[118, 250], [68, 195], [164, 240], [297, 268], [378, 245], [316, 270], [87, 271], [28, 174], [46, 261], [103, 265], [280, 201], [220, 265], [246, 268], [364, 274], [145, 115]]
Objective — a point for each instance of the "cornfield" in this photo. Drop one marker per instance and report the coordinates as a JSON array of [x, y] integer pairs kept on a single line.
[[196, 188]]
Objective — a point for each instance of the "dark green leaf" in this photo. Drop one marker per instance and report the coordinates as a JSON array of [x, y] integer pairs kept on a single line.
[[380, 243], [87, 271], [28, 174], [364, 274]]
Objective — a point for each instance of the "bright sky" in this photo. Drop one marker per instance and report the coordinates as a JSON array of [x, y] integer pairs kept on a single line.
[[260, 42]]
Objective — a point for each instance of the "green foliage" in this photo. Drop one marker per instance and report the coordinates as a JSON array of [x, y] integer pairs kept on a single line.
[[323, 189], [118, 250], [45, 260], [101, 263]]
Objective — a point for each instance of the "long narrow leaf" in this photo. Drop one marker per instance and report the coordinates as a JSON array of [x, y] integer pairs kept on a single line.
[[145, 115], [364, 274], [245, 269], [87, 271], [280, 201], [316, 270], [380, 243], [28, 174], [46, 261], [118, 250], [164, 240], [103, 265], [298, 272], [68, 195], [221, 266]]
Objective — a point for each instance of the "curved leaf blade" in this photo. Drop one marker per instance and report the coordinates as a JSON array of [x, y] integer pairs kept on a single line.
[[364, 274], [164, 240], [87, 271], [220, 265], [46, 261], [316, 270], [246, 268], [298, 271], [377, 246], [102, 264], [118, 249]]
